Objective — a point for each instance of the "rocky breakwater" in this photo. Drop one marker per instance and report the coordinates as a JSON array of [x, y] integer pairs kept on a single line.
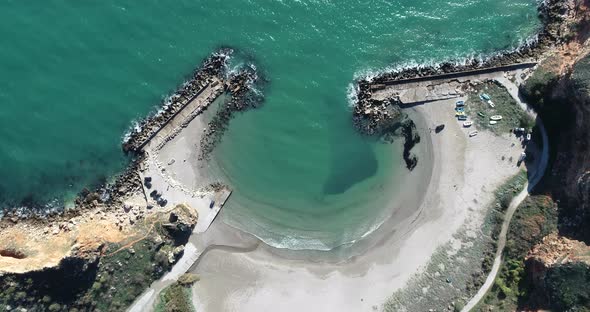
[[383, 117], [212, 70], [558, 18], [241, 86]]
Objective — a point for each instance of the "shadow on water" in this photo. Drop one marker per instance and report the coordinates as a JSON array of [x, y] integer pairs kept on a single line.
[[352, 161]]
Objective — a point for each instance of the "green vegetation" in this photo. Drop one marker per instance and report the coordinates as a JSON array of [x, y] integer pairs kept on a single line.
[[453, 275], [512, 114], [535, 218], [581, 76], [537, 88], [109, 283], [177, 297], [506, 192], [125, 275], [568, 286], [493, 221]]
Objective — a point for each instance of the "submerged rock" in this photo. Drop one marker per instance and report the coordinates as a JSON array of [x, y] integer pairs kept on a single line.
[[412, 138]]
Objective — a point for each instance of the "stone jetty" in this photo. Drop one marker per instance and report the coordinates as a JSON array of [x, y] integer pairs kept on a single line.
[[210, 72], [382, 115], [207, 83], [372, 117], [239, 88]]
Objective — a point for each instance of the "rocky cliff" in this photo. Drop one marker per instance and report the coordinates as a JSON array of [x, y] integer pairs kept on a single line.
[[570, 174], [102, 274], [557, 270]]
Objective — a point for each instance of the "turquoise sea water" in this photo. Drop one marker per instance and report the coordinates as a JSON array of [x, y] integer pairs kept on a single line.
[[75, 74]]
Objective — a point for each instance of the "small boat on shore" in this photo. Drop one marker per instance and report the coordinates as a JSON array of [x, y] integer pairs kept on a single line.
[[459, 109], [492, 105], [462, 118], [473, 133], [485, 97], [457, 114], [467, 124], [496, 117], [482, 115], [460, 103], [493, 122]]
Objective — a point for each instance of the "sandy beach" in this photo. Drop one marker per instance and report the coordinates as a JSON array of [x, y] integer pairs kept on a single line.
[[462, 176]]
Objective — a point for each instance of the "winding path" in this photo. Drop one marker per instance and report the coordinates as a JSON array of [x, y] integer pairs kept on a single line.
[[516, 201]]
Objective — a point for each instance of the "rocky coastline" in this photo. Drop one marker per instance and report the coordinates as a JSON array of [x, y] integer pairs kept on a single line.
[[108, 196], [135, 239], [213, 67], [375, 117]]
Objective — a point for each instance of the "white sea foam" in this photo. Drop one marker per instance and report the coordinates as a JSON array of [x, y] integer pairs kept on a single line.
[[134, 128], [352, 92], [282, 238], [459, 60], [295, 241]]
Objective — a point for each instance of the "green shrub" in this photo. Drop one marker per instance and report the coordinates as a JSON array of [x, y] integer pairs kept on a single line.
[[568, 286], [175, 298], [537, 89]]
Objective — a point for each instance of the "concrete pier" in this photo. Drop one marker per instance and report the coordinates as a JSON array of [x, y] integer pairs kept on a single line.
[[440, 87]]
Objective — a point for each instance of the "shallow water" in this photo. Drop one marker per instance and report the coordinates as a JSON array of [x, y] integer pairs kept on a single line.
[[75, 75]]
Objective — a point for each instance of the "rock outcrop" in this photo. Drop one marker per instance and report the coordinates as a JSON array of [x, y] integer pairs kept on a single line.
[[558, 272], [180, 222], [558, 268]]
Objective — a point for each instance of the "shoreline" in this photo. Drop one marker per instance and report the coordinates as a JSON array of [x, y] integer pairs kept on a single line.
[[124, 205], [410, 185], [390, 257], [549, 10], [385, 259], [212, 71], [267, 257]]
